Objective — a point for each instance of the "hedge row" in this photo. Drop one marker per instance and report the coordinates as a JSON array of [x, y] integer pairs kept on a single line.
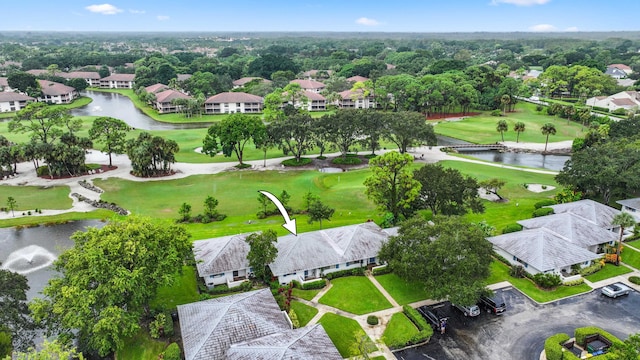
[[359, 271], [223, 288], [542, 212], [553, 346], [172, 352], [316, 284], [425, 331], [591, 269], [381, 271], [511, 228], [545, 202], [583, 332]]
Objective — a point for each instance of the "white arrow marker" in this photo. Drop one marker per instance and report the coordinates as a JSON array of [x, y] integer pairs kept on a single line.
[[289, 224]]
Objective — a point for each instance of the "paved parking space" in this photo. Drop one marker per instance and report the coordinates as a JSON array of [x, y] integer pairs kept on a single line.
[[520, 332]]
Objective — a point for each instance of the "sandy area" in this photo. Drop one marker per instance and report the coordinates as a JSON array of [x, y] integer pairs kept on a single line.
[[537, 188], [552, 146]]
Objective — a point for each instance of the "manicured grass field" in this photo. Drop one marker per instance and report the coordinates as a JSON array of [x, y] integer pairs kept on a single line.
[[399, 331], [403, 292], [141, 347], [183, 291], [355, 294], [304, 312], [481, 129], [344, 332], [631, 257], [609, 271], [520, 204], [500, 272], [36, 197], [635, 243], [305, 294]]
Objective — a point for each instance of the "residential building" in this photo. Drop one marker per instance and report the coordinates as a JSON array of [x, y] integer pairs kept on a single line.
[[309, 85], [223, 260], [631, 206], [626, 68], [243, 81], [233, 102], [4, 84], [91, 77], [118, 81], [316, 74], [38, 72], [357, 78], [615, 73], [597, 213], [56, 93], [628, 100], [315, 102], [13, 101], [156, 88], [164, 101], [350, 99], [183, 77]]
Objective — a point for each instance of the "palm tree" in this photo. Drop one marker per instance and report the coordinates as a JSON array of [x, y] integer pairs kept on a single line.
[[548, 129], [518, 128], [624, 220], [502, 127], [505, 100]]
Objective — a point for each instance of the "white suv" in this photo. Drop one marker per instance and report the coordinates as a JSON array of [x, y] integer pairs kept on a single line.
[[472, 310]]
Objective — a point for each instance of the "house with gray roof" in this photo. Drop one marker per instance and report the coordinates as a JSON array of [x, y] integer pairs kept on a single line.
[[310, 342], [56, 93], [222, 260], [599, 214], [541, 251], [209, 328], [13, 101], [632, 206], [233, 102]]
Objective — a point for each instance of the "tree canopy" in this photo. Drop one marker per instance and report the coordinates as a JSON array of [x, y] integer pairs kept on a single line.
[[111, 133], [450, 257], [262, 252], [232, 134], [14, 312]]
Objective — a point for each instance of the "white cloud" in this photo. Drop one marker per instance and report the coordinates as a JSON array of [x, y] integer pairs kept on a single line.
[[542, 28], [162, 17], [104, 9], [572, 29], [520, 2], [133, 11], [367, 22]]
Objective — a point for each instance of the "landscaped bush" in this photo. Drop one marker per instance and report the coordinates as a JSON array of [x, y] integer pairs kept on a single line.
[[553, 346], [634, 280], [43, 170], [293, 162], [545, 202], [342, 273], [156, 327], [591, 269], [381, 270], [542, 212], [426, 331], [496, 112], [372, 320], [294, 319], [172, 352], [517, 271], [511, 228], [346, 161], [574, 282], [501, 259], [547, 281], [581, 333], [223, 289], [318, 284]]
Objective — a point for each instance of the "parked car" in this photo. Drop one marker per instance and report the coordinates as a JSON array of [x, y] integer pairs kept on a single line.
[[433, 316], [472, 310], [494, 304], [615, 290]]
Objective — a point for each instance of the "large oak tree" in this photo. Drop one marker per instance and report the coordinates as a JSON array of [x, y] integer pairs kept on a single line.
[[446, 191], [232, 134]]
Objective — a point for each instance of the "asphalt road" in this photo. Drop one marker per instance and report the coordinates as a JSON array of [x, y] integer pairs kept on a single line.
[[520, 332]]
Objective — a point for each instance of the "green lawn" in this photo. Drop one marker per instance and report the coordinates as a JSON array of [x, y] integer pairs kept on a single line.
[[355, 294], [304, 312], [608, 271], [344, 332], [403, 292], [32, 197], [305, 294], [481, 129], [631, 257], [399, 331], [635, 243], [500, 272], [183, 291], [141, 347]]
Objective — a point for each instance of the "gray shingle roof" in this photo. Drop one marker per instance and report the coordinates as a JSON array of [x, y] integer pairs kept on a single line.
[[542, 248], [600, 214], [210, 327], [6, 96], [308, 84], [310, 342], [630, 203], [317, 249], [218, 255], [575, 229]]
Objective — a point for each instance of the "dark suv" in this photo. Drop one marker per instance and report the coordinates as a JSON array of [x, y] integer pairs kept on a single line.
[[494, 304], [433, 316]]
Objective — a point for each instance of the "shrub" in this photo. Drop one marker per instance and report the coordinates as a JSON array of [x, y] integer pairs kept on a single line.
[[511, 228], [634, 280], [539, 108], [545, 202], [542, 212], [381, 270], [553, 346], [318, 284], [172, 352], [496, 112], [517, 271], [581, 333], [425, 331], [223, 289], [156, 327], [501, 258], [349, 272], [168, 325], [43, 170], [372, 320], [547, 281], [591, 269], [575, 282], [346, 161], [294, 319], [293, 162]]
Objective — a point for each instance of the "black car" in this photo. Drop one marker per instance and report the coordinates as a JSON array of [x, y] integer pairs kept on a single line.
[[494, 304], [433, 316]]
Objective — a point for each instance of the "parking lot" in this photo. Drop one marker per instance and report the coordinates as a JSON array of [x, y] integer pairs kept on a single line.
[[520, 332]]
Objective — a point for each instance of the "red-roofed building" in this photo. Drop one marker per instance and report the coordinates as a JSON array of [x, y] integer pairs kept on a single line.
[[13, 101], [310, 85], [56, 93], [243, 81], [118, 81], [164, 101], [4, 84], [628, 100], [622, 67], [156, 88], [317, 74], [356, 100], [91, 77], [357, 78], [233, 102]]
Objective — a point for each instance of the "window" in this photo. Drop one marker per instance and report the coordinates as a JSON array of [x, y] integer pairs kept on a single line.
[[337, 266], [216, 275], [235, 273]]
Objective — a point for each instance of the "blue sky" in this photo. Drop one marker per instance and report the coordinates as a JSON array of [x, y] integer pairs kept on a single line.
[[321, 15]]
